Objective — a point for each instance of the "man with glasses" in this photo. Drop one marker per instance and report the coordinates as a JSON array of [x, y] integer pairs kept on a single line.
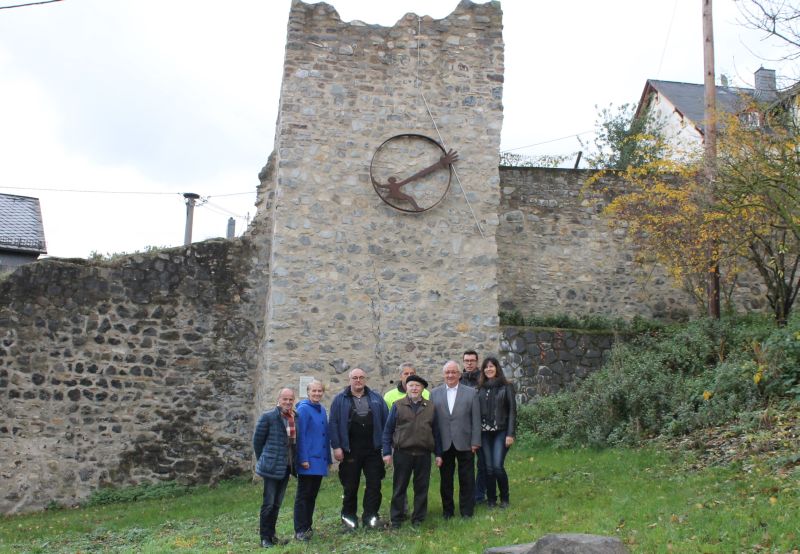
[[355, 426], [471, 371], [469, 377], [458, 416]]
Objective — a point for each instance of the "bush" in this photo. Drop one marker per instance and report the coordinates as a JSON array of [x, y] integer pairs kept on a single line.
[[781, 361], [590, 322], [674, 381], [168, 489]]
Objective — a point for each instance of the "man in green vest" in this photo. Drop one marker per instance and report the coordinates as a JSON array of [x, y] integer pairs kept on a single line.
[[410, 436], [396, 393]]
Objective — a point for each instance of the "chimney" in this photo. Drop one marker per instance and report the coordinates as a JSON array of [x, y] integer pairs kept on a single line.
[[766, 89]]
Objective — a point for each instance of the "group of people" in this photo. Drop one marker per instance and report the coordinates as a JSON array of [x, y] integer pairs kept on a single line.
[[472, 412]]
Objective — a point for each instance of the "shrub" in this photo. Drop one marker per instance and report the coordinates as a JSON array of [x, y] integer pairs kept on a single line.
[[781, 361], [109, 495], [674, 381], [589, 322]]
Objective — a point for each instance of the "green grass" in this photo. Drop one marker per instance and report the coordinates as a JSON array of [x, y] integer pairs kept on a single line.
[[652, 500]]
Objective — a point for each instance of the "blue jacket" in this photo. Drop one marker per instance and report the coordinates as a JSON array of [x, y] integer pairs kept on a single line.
[[340, 418], [271, 445], [313, 445]]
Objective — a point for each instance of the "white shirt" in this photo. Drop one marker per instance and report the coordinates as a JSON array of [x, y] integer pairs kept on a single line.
[[451, 397]]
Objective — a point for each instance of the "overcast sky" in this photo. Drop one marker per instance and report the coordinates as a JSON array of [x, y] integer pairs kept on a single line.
[[147, 99]]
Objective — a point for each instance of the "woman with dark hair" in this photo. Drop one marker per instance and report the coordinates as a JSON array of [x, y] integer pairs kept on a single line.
[[498, 423]]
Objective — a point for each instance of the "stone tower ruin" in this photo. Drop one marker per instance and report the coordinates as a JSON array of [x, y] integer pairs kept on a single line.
[[353, 281]]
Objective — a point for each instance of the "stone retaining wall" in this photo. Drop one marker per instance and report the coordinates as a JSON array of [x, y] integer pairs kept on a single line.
[[547, 361]]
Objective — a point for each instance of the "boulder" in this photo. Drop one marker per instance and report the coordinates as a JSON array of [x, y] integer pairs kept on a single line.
[[567, 543]]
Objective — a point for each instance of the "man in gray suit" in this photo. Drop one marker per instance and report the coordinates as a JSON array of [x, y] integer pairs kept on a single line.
[[458, 416]]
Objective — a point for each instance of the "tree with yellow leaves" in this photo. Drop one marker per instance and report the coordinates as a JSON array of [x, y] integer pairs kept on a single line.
[[748, 220]]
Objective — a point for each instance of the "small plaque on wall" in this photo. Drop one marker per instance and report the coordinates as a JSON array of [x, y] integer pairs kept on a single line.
[[304, 381]]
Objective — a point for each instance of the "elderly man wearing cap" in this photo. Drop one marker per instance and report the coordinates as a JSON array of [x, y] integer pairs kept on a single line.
[[410, 436]]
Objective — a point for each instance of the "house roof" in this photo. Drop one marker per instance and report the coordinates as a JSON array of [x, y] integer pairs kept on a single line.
[[21, 227], [689, 99]]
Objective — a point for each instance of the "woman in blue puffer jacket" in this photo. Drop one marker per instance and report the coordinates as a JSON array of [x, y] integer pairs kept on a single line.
[[313, 458]]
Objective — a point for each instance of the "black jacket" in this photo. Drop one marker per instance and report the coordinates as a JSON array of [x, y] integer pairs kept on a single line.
[[503, 401]]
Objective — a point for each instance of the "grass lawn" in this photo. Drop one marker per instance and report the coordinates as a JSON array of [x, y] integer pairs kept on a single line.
[[649, 499]]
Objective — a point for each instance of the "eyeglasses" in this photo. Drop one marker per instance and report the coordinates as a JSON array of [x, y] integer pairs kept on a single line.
[[359, 378]]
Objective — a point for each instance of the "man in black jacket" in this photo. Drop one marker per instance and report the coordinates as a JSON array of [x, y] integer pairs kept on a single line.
[[355, 428]]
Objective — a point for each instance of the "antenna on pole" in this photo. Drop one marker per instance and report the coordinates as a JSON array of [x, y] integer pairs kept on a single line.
[[190, 200]]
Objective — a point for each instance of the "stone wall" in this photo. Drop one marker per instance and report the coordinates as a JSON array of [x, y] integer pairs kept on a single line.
[[154, 366], [558, 255], [126, 372], [547, 361], [355, 282]]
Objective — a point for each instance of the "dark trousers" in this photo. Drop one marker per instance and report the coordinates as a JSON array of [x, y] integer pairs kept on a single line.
[[466, 482], [405, 465], [274, 489], [350, 469], [494, 454], [304, 501], [480, 478]]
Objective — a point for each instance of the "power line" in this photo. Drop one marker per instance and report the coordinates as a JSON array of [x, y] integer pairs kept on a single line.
[[231, 194], [28, 4], [89, 191], [218, 208], [548, 141], [119, 191], [666, 39]]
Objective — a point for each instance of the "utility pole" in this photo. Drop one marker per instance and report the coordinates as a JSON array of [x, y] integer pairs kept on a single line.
[[710, 152], [190, 200]]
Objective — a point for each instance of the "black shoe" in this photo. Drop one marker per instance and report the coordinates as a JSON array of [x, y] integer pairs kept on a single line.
[[267, 543], [374, 522], [416, 524], [276, 541], [396, 525], [479, 501], [447, 516], [504, 504], [491, 504], [349, 523], [304, 535]]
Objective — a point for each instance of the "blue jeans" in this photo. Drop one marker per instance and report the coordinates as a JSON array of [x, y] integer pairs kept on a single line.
[[494, 450], [480, 478], [274, 489]]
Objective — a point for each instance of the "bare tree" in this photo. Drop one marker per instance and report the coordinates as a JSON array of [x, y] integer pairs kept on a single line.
[[776, 18]]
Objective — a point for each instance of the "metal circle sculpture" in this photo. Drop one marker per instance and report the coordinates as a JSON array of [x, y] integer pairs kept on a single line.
[[411, 173]]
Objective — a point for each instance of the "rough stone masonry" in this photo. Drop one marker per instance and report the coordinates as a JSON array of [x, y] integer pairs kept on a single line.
[[151, 367], [354, 282]]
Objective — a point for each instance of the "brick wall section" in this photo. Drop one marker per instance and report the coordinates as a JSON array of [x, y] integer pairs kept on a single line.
[[126, 372], [354, 282]]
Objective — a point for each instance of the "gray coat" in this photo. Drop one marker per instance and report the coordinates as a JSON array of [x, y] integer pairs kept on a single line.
[[462, 428]]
